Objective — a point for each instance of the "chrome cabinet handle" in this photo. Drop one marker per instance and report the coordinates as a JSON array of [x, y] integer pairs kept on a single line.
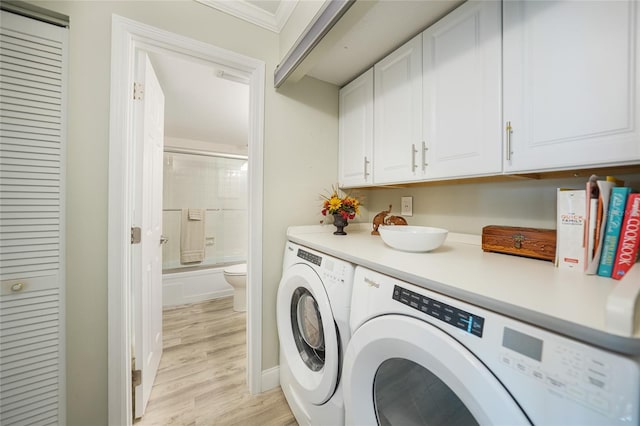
[[509, 131], [424, 155], [163, 240], [366, 173], [414, 151]]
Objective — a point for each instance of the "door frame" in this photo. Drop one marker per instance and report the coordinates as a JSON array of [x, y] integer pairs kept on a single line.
[[127, 37]]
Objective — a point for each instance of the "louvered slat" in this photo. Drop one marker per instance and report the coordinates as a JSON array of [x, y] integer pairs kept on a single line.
[[10, 72], [20, 104], [31, 149], [20, 197], [29, 342], [16, 93], [38, 46], [46, 375]]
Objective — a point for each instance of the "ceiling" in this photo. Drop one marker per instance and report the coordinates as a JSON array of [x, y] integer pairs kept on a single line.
[[199, 105]]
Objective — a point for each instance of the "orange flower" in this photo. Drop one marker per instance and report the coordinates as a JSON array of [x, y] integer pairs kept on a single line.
[[339, 203]]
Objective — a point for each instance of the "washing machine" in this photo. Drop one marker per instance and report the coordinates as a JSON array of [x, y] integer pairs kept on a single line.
[[313, 307], [417, 357]]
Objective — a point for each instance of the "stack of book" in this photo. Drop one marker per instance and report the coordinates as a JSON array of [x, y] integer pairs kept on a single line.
[[598, 228]]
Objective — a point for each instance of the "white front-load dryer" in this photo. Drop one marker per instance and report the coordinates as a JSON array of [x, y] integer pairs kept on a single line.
[[313, 307], [417, 357]]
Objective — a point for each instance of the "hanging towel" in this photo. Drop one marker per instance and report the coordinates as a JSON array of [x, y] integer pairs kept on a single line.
[[192, 236], [196, 214]]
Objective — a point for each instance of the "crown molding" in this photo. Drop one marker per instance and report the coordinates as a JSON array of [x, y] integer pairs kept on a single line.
[[251, 13]]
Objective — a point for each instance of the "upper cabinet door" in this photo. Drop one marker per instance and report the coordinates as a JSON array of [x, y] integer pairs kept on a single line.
[[462, 97], [355, 139], [571, 84], [397, 114]]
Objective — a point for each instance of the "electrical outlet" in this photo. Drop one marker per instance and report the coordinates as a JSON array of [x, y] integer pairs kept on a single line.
[[407, 206]]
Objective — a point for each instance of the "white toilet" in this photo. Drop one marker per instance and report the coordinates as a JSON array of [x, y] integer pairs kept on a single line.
[[236, 276]]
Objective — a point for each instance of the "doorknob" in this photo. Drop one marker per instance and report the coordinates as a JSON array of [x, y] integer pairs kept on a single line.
[[163, 240]]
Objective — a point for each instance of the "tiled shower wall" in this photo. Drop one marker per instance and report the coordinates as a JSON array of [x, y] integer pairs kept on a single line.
[[216, 184]]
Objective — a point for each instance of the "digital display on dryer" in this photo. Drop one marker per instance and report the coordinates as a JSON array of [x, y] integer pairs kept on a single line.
[[458, 318], [522, 343], [309, 257]]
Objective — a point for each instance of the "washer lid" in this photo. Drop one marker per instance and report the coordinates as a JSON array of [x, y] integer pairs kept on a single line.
[[307, 333]]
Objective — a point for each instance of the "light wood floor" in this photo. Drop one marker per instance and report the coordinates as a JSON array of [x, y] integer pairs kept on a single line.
[[201, 379]]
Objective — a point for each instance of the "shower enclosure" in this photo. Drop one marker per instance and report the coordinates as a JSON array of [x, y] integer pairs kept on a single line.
[[216, 183]]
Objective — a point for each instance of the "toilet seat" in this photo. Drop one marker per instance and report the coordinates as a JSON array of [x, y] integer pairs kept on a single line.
[[238, 269]]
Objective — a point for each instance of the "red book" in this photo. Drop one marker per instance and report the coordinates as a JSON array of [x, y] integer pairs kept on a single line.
[[627, 252]]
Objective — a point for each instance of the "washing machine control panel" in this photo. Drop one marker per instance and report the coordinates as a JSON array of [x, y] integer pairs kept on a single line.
[[473, 324], [309, 257], [331, 270]]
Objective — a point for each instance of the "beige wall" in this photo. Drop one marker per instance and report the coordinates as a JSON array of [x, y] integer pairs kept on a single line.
[[467, 208], [300, 149]]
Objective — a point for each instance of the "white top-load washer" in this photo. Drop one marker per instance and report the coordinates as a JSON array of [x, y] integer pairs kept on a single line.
[[313, 307], [419, 357]]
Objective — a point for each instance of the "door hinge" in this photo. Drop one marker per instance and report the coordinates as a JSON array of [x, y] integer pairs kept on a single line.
[[136, 235], [136, 378], [138, 91]]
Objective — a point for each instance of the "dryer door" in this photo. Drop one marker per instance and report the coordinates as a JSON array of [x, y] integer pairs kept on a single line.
[[399, 370], [307, 332]]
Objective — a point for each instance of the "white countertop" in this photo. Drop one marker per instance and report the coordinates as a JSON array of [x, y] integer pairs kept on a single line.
[[596, 310]]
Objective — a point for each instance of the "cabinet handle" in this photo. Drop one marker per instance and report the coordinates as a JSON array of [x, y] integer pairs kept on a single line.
[[414, 151], [509, 131], [17, 287], [424, 155], [366, 162]]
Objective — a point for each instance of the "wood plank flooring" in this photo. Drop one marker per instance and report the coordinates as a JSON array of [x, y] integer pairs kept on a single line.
[[201, 379]]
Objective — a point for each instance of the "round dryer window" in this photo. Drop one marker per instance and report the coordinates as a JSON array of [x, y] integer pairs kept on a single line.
[[406, 393], [306, 325]]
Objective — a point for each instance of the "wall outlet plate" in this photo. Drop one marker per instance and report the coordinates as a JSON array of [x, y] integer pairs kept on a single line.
[[407, 206]]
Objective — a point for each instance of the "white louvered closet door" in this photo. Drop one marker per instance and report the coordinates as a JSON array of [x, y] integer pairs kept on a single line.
[[32, 123]]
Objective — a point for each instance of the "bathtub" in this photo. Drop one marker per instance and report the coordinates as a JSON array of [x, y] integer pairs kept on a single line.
[[195, 285]]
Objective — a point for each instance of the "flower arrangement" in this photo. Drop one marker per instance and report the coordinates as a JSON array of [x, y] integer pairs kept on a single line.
[[340, 203]]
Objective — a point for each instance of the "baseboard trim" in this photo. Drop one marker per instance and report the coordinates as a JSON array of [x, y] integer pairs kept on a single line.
[[270, 378]]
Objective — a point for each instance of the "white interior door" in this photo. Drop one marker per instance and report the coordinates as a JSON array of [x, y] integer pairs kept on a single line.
[[147, 261]]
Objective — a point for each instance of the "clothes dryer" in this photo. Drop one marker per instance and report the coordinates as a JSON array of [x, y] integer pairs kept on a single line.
[[313, 307], [417, 357]]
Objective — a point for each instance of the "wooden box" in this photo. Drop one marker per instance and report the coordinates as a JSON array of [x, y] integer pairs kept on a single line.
[[527, 242]]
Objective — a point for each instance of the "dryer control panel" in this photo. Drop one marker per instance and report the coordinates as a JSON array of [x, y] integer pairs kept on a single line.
[[473, 324]]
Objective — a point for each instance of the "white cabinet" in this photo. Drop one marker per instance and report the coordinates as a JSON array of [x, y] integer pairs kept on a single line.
[[462, 93], [355, 138], [397, 109], [571, 84]]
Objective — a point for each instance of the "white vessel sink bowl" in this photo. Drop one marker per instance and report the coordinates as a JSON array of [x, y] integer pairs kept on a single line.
[[413, 238]]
